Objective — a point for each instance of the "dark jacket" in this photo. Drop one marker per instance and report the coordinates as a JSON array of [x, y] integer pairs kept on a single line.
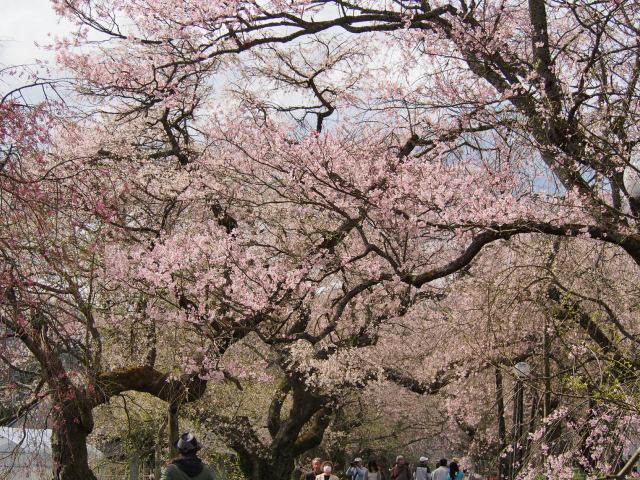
[[309, 476], [190, 468], [401, 472]]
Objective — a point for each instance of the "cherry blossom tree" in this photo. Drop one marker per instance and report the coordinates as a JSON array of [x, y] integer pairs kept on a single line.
[[483, 80], [565, 308], [256, 170], [52, 295]]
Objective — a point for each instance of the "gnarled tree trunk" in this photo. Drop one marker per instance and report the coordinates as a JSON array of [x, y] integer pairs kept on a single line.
[[70, 429], [299, 431]]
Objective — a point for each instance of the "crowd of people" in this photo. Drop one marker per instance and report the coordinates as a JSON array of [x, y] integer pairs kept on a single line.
[[187, 466], [401, 470]]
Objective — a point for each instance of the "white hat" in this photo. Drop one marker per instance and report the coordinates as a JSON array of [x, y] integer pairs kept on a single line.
[[357, 459], [424, 459]]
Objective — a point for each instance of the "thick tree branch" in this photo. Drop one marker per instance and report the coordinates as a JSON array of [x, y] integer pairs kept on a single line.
[[145, 379]]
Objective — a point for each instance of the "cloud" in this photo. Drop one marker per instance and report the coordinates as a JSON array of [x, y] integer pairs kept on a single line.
[[24, 23]]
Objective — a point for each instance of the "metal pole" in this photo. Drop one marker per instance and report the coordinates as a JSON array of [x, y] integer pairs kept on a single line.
[[546, 403], [503, 461], [546, 347], [515, 429], [520, 425]]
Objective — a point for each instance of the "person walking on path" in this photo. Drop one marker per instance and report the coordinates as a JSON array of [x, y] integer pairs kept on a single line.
[[187, 466], [327, 472], [316, 469], [442, 472], [454, 472], [384, 470], [373, 471], [401, 470], [356, 471], [423, 472]]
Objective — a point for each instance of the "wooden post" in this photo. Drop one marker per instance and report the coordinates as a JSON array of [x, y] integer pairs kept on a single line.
[[174, 408], [134, 467]]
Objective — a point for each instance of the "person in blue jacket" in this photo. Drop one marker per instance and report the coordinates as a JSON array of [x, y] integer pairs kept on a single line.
[[454, 472], [356, 471]]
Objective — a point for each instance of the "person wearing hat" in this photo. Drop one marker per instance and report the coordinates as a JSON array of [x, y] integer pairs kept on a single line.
[[423, 472], [356, 471], [401, 470], [187, 466]]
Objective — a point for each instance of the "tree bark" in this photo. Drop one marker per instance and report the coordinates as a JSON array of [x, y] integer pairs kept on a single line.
[[173, 428], [69, 443], [299, 431], [157, 453]]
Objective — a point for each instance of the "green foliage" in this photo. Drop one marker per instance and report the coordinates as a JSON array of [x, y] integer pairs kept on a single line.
[[579, 475], [139, 438], [576, 383], [130, 426], [227, 466]]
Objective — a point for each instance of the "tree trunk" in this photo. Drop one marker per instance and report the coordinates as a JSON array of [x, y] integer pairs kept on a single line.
[[503, 462], [282, 468], [69, 443], [546, 348], [527, 441], [279, 467], [158, 461], [253, 467], [174, 428], [518, 420], [276, 461]]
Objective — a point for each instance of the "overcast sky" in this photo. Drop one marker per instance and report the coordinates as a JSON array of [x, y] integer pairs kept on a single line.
[[23, 23]]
